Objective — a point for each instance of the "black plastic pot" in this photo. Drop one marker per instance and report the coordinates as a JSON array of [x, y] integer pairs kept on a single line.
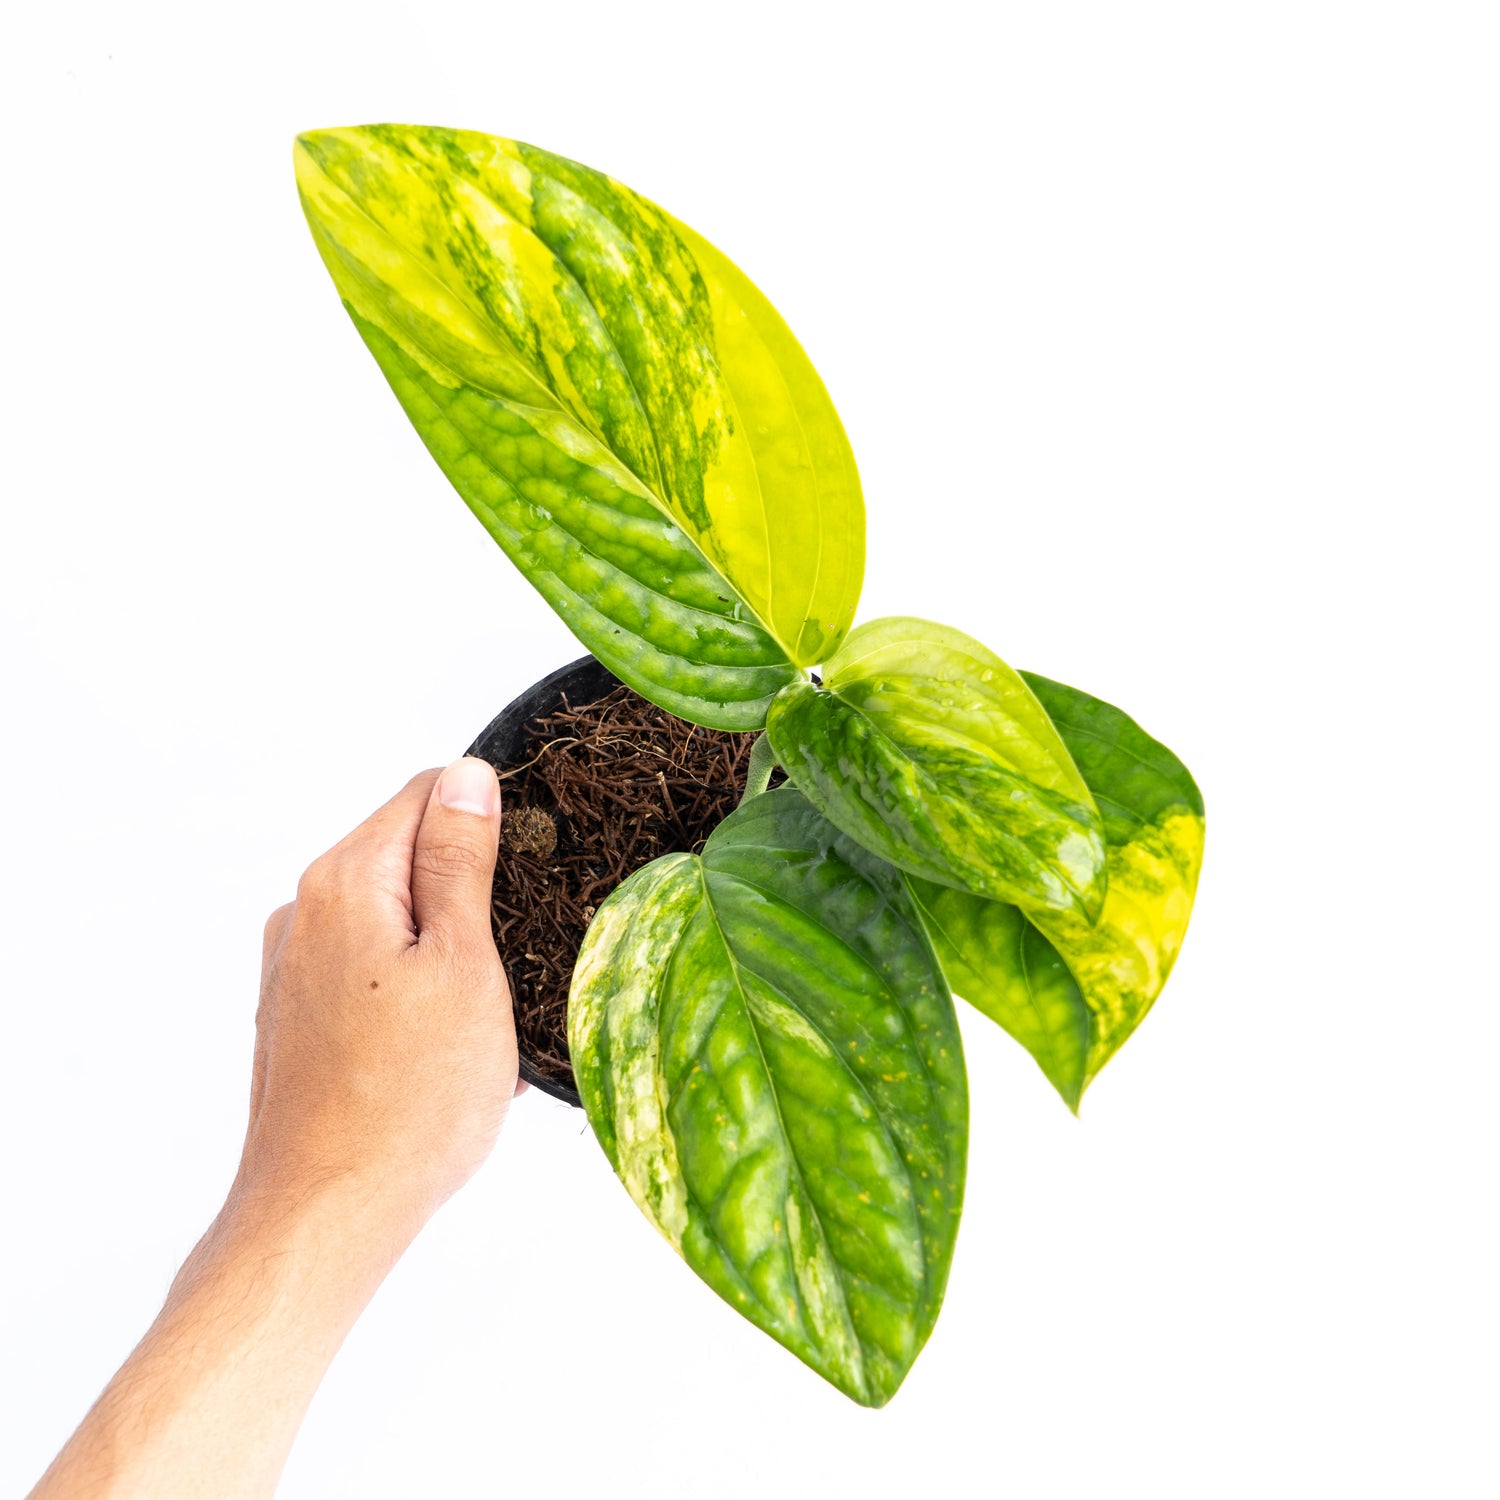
[[582, 681]]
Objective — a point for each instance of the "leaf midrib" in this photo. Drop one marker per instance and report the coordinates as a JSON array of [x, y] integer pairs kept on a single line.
[[609, 338], [544, 376], [739, 967], [791, 1150], [933, 1087], [780, 900], [483, 316]]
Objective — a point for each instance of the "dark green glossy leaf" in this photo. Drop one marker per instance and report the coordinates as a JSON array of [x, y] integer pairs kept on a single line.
[[926, 748], [768, 1054], [621, 408], [1070, 992]]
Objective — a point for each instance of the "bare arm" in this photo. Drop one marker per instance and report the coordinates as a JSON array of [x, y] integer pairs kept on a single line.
[[385, 1061]]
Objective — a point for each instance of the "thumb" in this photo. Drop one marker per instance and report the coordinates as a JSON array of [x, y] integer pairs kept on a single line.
[[453, 861]]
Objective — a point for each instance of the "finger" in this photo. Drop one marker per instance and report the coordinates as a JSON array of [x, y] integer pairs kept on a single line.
[[453, 860], [376, 857], [392, 824]]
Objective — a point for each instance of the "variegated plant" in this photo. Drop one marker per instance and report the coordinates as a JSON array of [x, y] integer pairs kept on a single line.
[[763, 1035]]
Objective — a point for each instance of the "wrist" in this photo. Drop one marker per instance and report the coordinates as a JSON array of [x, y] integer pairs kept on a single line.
[[335, 1229], [330, 1242], [366, 1180]]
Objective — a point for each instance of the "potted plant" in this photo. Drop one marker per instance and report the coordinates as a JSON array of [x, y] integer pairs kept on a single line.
[[760, 1024]]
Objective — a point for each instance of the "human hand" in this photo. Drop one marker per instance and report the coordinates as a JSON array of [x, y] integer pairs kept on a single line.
[[385, 1061], [385, 1053]]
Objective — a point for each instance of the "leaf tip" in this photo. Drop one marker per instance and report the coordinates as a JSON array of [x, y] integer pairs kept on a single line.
[[311, 148], [304, 142], [1069, 1088], [305, 158]]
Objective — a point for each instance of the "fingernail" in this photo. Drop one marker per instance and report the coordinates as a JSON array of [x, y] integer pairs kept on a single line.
[[469, 785]]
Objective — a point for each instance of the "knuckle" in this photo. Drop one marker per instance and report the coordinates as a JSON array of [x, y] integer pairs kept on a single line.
[[318, 879], [451, 859], [277, 924]]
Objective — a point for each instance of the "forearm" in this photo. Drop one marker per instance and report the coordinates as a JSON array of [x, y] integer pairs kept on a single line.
[[385, 1060], [212, 1397]]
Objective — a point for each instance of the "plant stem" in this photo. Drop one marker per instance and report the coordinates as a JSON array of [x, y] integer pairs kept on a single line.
[[762, 762]]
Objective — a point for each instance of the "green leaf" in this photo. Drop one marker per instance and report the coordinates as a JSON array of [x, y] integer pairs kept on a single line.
[[1072, 993], [768, 1054], [625, 413], [1004, 967], [926, 748]]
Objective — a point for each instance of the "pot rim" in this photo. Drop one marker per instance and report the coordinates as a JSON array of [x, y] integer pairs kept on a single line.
[[498, 740]]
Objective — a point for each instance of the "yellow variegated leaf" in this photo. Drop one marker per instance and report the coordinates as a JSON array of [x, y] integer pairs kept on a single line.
[[933, 753], [1069, 990], [768, 1054], [622, 409], [800, 450]]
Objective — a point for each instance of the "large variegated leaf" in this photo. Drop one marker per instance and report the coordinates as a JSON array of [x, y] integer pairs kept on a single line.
[[1069, 991], [768, 1054], [926, 748], [621, 408]]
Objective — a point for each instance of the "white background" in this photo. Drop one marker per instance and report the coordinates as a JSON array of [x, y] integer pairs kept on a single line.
[[1166, 336]]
